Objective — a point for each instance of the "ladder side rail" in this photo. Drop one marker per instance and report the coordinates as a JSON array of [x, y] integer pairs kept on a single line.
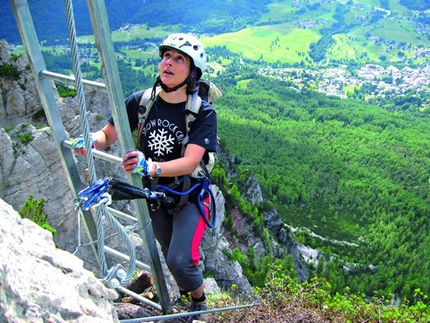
[[102, 33], [45, 90]]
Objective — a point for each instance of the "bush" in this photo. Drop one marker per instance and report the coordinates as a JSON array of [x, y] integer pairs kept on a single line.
[[284, 299], [33, 210], [65, 91], [39, 115], [26, 138], [9, 71]]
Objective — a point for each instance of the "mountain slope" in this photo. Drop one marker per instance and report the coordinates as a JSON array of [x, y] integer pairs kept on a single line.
[[208, 16]]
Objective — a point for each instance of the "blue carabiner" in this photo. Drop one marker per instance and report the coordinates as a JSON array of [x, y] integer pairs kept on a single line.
[[96, 191]]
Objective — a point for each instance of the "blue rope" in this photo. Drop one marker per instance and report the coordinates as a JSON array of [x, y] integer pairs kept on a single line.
[[205, 188], [168, 189]]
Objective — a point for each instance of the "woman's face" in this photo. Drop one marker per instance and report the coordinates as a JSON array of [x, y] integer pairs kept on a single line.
[[174, 67]]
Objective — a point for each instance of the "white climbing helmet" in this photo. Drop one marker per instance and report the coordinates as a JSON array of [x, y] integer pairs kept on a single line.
[[188, 45]]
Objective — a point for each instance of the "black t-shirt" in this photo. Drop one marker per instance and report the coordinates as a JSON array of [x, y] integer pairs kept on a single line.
[[165, 129]]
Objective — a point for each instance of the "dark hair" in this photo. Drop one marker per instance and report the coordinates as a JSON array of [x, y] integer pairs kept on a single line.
[[192, 79]]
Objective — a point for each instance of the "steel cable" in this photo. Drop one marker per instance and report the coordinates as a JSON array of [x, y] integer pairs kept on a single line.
[[102, 209]]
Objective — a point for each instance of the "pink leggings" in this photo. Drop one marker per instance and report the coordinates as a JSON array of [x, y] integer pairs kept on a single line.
[[180, 235]]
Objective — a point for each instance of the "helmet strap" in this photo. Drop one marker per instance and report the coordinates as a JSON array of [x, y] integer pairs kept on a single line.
[[167, 89]]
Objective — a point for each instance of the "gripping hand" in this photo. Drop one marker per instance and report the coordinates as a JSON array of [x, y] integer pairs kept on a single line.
[[79, 143], [143, 166]]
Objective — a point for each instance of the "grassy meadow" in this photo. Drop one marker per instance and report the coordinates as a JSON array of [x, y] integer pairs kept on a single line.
[[268, 43]]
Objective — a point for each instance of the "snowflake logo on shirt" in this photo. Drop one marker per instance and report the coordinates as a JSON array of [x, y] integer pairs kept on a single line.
[[159, 143]]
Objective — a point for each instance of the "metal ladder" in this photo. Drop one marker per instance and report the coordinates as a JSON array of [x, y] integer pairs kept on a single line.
[[113, 88]]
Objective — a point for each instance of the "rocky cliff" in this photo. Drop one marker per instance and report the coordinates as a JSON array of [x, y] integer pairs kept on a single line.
[[281, 238], [41, 283]]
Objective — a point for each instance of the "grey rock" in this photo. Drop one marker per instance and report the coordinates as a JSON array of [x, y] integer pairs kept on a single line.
[[39, 282]]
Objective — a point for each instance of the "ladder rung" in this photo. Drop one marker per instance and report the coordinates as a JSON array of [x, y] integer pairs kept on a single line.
[[122, 215], [139, 297], [122, 256], [101, 154], [71, 80]]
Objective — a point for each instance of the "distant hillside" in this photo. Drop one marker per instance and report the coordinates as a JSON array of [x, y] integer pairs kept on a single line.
[[208, 16], [217, 17], [345, 170], [51, 23], [335, 32], [287, 32], [415, 4]]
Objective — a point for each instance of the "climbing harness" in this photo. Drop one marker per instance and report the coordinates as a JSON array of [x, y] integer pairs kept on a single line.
[[104, 191], [205, 189]]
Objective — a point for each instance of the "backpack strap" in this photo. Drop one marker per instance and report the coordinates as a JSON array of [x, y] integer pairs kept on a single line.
[[208, 91], [145, 105], [192, 108]]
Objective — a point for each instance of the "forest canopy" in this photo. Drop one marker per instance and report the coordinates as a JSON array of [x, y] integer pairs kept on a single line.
[[345, 169]]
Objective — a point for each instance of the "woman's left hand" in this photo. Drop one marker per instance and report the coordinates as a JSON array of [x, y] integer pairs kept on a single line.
[[135, 162]]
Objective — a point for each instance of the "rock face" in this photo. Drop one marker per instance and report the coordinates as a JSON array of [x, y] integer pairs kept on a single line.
[[40, 283], [285, 239], [34, 168], [281, 239], [18, 95], [214, 246], [252, 191]]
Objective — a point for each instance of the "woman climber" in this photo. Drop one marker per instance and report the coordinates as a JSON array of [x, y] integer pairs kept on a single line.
[[165, 159]]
